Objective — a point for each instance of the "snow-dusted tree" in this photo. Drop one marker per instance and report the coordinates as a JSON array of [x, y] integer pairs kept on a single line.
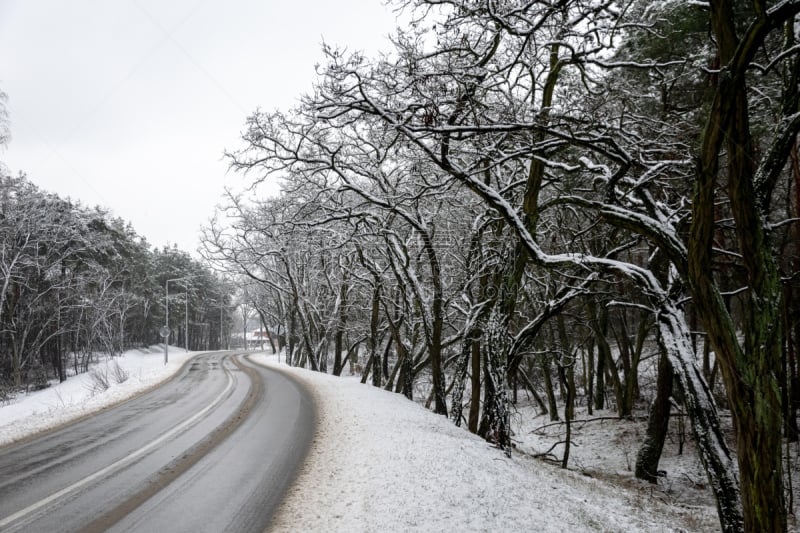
[[32, 232], [582, 154], [347, 173], [74, 282], [731, 258], [727, 149], [507, 118]]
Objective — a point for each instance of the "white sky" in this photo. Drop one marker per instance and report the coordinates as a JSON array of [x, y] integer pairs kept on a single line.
[[129, 104]]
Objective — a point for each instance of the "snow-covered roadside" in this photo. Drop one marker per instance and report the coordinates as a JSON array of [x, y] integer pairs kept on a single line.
[[382, 463], [60, 403]]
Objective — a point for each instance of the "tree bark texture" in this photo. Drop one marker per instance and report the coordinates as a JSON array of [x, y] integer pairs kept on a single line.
[[657, 425], [750, 371]]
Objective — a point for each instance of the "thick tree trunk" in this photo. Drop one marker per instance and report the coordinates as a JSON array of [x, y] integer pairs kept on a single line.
[[437, 318], [788, 371], [675, 342], [385, 358], [341, 325], [629, 383], [657, 424], [749, 371], [372, 341], [590, 377], [408, 377], [494, 425], [600, 382]]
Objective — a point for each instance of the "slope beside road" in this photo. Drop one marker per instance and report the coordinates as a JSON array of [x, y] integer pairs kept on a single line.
[[381, 463]]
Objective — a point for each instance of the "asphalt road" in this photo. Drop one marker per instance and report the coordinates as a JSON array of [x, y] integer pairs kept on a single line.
[[212, 450]]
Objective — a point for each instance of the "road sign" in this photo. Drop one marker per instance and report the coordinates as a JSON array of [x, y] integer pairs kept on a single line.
[[164, 332]]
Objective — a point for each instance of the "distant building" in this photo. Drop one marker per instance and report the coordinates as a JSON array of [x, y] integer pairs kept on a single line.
[[256, 339]]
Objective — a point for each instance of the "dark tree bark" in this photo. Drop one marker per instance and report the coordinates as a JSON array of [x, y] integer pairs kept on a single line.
[[475, 382], [552, 405], [372, 339], [567, 376], [657, 424], [749, 370], [341, 326]]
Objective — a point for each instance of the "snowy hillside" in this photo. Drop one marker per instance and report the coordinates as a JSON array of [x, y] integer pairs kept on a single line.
[[382, 463]]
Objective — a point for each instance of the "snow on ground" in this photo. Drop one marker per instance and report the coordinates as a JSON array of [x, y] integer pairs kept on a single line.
[[605, 447], [382, 463], [78, 396]]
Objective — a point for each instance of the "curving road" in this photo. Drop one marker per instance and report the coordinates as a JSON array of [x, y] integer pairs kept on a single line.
[[214, 449]]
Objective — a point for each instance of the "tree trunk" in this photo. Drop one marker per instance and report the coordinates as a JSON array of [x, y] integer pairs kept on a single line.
[[494, 425], [291, 359], [437, 311], [552, 404], [408, 377], [628, 385], [372, 340], [674, 341], [657, 424], [788, 374], [459, 379], [341, 324], [567, 376], [590, 377], [598, 319], [749, 370], [475, 382]]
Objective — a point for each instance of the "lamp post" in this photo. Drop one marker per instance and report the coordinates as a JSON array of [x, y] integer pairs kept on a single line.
[[166, 317], [186, 318]]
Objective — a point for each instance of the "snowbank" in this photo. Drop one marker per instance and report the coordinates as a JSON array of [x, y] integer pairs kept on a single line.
[[79, 396], [382, 463]]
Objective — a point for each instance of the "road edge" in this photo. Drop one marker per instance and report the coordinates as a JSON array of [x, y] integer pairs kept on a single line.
[[80, 418], [315, 441]]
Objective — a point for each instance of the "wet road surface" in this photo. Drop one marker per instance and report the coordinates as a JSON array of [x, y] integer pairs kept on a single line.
[[212, 450]]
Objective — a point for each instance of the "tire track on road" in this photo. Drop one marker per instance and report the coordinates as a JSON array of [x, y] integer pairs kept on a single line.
[[179, 466]]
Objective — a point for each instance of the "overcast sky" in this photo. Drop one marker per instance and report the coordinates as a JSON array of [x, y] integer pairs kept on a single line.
[[129, 104]]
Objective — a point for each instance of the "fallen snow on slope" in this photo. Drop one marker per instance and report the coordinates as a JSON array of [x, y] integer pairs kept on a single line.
[[381, 463], [79, 396]]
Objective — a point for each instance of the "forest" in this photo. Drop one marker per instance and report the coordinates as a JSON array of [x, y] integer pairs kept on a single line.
[[582, 204], [77, 282], [590, 202]]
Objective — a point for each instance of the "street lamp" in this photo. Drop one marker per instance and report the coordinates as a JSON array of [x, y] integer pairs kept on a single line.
[[166, 316]]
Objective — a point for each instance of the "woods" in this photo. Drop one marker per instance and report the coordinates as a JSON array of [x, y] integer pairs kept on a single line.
[[581, 205], [77, 282], [567, 198]]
